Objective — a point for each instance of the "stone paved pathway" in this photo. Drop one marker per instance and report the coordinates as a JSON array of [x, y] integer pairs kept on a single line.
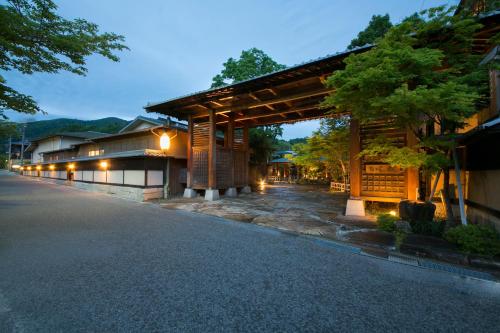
[[305, 209]]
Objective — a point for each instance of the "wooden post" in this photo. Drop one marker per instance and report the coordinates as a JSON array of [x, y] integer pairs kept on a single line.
[[247, 152], [412, 173], [212, 152], [190, 153], [230, 145], [354, 161]]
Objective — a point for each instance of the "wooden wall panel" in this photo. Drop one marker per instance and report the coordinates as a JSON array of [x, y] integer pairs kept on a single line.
[[378, 179]]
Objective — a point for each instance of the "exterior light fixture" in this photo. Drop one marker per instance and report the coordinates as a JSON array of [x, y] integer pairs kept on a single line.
[[28, 168], [71, 166], [392, 213], [39, 167], [52, 167], [103, 164], [164, 142], [21, 168], [16, 166]]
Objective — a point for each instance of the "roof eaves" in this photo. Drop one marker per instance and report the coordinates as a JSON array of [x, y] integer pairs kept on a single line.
[[229, 86]]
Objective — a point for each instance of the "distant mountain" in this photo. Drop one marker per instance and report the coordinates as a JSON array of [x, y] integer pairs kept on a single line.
[[41, 128]]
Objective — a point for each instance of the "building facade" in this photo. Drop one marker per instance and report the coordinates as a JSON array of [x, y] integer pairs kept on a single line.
[[130, 164]]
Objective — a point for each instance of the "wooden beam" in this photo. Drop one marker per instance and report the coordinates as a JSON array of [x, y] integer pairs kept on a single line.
[[272, 91], [190, 152], [284, 99], [216, 103], [266, 115], [270, 107], [212, 152]]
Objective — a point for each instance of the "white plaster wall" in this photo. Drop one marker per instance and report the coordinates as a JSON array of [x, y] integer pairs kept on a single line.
[[134, 177], [43, 146], [87, 176], [99, 176], [78, 175], [115, 176], [155, 177]]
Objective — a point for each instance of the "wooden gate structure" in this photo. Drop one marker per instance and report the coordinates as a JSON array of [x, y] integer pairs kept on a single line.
[[219, 120]]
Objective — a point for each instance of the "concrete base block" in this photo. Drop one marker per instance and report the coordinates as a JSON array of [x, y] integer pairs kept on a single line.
[[231, 192], [212, 195], [189, 193], [355, 207], [246, 189]]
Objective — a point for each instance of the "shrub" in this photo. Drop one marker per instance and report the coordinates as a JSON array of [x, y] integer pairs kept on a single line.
[[477, 239], [430, 228], [387, 222]]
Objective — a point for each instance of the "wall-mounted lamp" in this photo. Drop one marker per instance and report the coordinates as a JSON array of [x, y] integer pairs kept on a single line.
[[103, 164], [71, 166], [39, 167], [52, 167], [164, 142], [29, 168]]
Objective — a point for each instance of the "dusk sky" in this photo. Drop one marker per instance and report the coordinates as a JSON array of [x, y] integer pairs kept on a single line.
[[176, 47]]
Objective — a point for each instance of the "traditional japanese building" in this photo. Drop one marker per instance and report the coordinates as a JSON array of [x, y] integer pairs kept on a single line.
[[132, 163], [287, 96]]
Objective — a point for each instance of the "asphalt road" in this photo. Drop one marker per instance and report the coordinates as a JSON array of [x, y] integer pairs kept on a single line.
[[78, 261]]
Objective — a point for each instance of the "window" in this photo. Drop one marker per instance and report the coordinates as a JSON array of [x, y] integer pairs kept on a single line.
[[96, 152]]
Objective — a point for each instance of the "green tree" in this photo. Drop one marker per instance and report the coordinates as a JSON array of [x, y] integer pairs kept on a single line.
[[421, 74], [326, 150], [377, 27], [253, 63], [33, 38]]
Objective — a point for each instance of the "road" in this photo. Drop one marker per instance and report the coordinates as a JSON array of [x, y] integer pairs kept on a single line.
[[73, 261]]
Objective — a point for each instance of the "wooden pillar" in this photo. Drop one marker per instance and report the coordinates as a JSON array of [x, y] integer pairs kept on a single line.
[[230, 145], [212, 152], [494, 93], [411, 173], [247, 151], [354, 161], [190, 152]]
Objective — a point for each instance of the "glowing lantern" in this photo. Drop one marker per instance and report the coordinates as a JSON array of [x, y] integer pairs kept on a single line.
[[39, 167], [52, 167], [103, 164], [392, 212], [71, 166], [164, 142], [29, 168]]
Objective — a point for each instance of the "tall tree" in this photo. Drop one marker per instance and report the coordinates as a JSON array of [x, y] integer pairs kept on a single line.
[[33, 38], [252, 63], [421, 74], [377, 27]]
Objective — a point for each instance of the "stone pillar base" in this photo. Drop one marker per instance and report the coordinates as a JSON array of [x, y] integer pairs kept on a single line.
[[231, 192], [246, 189], [189, 193], [355, 207], [211, 194]]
